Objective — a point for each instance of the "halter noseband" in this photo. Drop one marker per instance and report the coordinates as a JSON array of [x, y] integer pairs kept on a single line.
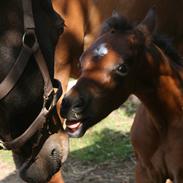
[[15, 73]]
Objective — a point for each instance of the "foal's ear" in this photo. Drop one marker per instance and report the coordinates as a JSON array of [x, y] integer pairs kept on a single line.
[[148, 25]]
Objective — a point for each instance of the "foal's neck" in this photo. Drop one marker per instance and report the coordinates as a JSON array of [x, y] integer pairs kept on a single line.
[[164, 98]]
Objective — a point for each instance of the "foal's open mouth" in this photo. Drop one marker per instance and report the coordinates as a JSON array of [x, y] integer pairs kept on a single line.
[[74, 128], [77, 127]]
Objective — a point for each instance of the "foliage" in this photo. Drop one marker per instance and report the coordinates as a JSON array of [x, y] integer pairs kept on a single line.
[[6, 156], [130, 106]]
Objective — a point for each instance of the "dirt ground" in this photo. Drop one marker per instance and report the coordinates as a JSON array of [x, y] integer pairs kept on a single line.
[[75, 171]]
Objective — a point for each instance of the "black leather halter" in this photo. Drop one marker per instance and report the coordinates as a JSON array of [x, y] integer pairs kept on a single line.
[[52, 91]]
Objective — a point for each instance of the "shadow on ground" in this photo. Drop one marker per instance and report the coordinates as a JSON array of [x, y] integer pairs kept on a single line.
[[12, 178], [108, 160], [107, 144]]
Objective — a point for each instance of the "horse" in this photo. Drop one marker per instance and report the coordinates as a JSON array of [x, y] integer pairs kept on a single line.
[[82, 23], [84, 17], [82, 20], [125, 59], [29, 124]]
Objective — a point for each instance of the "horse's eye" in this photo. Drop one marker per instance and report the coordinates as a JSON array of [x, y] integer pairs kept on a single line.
[[122, 70]]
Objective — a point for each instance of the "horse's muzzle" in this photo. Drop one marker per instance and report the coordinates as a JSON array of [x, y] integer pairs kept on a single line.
[[48, 161]]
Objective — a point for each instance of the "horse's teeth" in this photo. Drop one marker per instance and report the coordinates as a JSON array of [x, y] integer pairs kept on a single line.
[[75, 125]]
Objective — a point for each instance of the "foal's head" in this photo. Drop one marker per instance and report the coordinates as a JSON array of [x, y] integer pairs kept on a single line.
[[111, 70]]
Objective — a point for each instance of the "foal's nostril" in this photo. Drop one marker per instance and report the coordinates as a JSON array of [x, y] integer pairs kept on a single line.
[[55, 157], [65, 103], [65, 107], [72, 107], [78, 106]]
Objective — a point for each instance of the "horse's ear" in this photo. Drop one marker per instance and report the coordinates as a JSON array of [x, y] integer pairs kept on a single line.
[[149, 22]]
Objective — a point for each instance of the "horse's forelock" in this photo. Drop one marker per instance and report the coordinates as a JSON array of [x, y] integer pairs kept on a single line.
[[119, 23]]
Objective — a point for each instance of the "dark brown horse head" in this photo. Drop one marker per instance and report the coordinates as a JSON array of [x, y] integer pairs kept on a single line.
[[110, 69], [39, 157]]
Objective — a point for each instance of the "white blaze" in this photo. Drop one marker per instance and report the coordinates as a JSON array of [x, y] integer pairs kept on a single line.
[[101, 50]]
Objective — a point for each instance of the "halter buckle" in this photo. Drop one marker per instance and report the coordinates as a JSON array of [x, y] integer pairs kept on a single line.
[[29, 40]]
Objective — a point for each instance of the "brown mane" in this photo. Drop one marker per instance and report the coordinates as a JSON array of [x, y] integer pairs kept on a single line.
[[116, 22], [165, 44]]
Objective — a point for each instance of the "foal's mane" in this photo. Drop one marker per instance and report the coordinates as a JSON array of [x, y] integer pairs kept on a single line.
[[165, 44], [116, 22], [121, 24]]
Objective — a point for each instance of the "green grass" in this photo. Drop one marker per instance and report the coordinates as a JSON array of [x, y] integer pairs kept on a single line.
[[6, 157], [107, 140]]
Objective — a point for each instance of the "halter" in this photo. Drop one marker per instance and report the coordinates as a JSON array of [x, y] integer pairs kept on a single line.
[[50, 94]]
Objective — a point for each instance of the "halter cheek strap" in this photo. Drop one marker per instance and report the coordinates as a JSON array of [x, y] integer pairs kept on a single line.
[[15, 73], [26, 52]]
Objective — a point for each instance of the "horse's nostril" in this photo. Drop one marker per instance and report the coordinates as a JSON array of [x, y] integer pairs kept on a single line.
[[55, 157], [54, 153]]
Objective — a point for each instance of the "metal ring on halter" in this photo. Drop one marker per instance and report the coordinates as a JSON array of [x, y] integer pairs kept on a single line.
[[29, 40]]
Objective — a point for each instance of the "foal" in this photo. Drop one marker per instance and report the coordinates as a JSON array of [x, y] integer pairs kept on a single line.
[[124, 60]]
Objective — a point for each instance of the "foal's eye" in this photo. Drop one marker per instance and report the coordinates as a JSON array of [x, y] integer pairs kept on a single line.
[[122, 70]]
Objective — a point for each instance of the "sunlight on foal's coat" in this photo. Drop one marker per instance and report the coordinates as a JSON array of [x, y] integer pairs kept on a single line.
[[137, 62]]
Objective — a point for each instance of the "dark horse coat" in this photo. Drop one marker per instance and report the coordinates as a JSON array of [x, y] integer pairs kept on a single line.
[[22, 104]]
